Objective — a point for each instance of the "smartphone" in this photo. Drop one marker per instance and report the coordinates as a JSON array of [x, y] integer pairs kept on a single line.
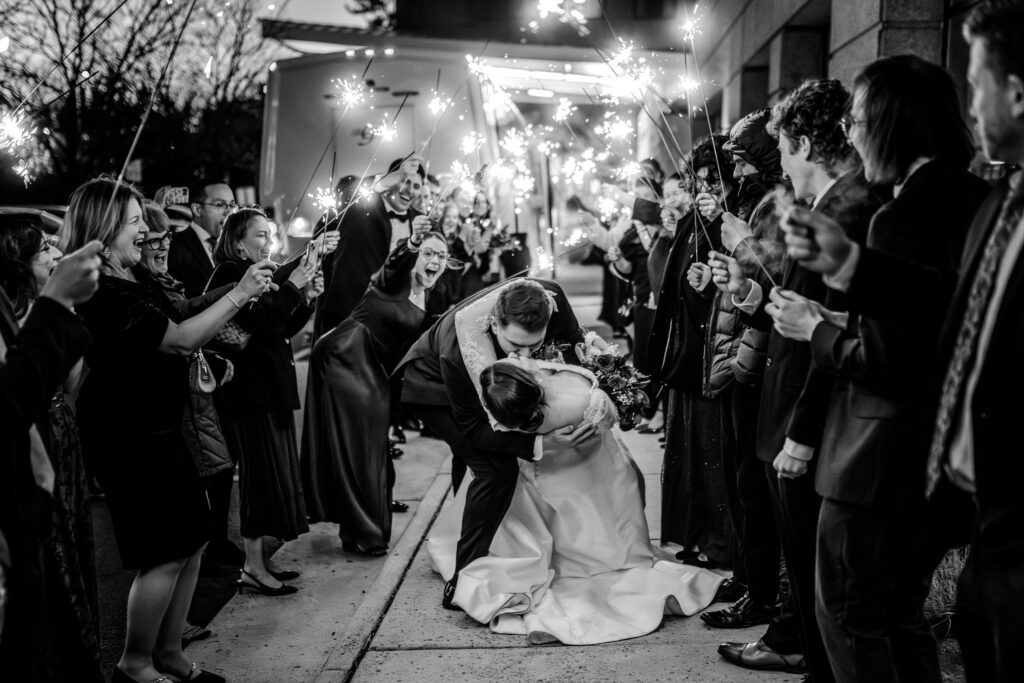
[[311, 255], [647, 212]]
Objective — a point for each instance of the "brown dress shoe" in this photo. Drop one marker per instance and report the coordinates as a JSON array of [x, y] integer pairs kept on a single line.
[[760, 657]]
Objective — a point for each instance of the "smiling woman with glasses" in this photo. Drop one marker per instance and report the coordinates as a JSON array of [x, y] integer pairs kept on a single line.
[[346, 469]]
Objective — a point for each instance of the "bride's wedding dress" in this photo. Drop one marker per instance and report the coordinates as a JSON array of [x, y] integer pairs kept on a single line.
[[572, 561]]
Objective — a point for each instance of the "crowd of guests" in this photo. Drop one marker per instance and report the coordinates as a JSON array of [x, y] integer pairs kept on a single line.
[[825, 299]]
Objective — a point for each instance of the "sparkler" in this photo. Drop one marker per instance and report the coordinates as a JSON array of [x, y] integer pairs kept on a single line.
[[325, 199], [350, 92], [568, 12], [564, 110], [472, 143]]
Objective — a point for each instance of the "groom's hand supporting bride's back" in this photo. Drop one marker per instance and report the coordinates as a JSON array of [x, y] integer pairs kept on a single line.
[[569, 436]]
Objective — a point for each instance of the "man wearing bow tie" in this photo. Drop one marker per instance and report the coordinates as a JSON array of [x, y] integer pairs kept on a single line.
[[369, 231]]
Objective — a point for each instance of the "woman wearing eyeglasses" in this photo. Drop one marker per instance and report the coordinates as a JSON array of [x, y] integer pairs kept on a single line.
[[256, 407], [346, 471]]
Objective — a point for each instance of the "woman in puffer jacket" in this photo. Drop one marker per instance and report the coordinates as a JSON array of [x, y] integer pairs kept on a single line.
[[734, 366]]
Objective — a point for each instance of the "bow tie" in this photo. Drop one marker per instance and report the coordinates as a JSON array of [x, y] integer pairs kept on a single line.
[[402, 217]]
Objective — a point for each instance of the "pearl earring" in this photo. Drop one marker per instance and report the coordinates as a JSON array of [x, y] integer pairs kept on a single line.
[[106, 252]]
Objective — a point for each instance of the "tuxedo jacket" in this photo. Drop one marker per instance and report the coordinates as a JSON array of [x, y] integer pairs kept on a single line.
[[433, 372], [676, 347], [364, 237], [795, 396], [996, 403], [875, 441], [189, 262]]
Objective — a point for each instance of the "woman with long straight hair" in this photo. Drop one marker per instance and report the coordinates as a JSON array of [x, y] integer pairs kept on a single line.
[[256, 408]]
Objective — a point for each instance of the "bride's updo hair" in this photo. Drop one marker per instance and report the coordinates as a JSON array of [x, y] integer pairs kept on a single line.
[[513, 396]]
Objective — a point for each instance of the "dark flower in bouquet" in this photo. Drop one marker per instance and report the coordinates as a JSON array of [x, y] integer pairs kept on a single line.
[[621, 381]]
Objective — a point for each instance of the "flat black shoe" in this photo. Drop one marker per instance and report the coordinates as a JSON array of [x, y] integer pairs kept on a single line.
[[760, 657], [371, 550], [194, 674], [249, 582], [741, 614], [399, 433], [730, 590], [449, 595], [399, 506], [284, 574], [121, 677]]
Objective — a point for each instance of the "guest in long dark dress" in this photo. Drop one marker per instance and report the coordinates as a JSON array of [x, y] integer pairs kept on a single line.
[[129, 413], [256, 407], [694, 509], [346, 472], [69, 617]]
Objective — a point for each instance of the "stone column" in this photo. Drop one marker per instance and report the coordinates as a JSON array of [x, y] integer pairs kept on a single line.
[[865, 30], [794, 55]]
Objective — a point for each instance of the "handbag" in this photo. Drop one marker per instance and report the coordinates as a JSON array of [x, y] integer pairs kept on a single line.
[[200, 377], [232, 337]]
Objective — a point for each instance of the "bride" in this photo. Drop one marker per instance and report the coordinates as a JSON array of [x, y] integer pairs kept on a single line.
[[572, 561]]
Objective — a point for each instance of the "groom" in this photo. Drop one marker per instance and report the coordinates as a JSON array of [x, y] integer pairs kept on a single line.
[[438, 390]]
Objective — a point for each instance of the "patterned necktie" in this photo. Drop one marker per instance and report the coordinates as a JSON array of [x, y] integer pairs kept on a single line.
[[967, 338]]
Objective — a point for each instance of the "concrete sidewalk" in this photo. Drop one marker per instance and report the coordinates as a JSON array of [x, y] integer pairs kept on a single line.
[[380, 619]]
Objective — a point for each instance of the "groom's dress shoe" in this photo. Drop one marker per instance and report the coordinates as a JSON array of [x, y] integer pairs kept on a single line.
[[730, 590], [760, 657], [741, 614], [449, 595]]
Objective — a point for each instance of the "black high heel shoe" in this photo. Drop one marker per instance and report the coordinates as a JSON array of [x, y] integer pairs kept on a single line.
[[121, 677], [262, 588], [284, 574], [194, 674]]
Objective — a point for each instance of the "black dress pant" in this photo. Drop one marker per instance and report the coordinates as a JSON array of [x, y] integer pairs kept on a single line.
[[757, 563], [797, 507], [490, 493], [874, 570]]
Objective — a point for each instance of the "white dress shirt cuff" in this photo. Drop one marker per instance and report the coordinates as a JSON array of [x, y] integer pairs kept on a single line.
[[538, 448], [753, 300], [842, 279], [798, 451]]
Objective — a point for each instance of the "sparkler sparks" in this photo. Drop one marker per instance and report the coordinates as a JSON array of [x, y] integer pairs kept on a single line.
[[690, 28], [472, 142], [13, 132], [324, 199], [564, 110], [350, 92], [568, 12], [630, 169], [385, 132]]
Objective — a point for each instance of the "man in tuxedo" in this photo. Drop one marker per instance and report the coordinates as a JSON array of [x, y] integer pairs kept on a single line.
[[975, 397], [38, 357], [824, 170], [438, 390], [190, 258], [368, 231]]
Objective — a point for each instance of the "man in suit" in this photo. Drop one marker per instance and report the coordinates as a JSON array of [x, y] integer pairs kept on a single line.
[[190, 258], [907, 125], [438, 390], [975, 396], [368, 229], [37, 359], [824, 170]]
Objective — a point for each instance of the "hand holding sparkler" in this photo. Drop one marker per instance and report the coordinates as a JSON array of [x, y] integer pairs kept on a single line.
[[734, 231], [669, 219], [328, 241], [420, 225], [728, 276], [816, 241], [306, 271], [258, 280], [709, 206], [795, 316], [699, 276]]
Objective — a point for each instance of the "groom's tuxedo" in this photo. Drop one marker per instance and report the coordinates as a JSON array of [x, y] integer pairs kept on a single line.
[[437, 389]]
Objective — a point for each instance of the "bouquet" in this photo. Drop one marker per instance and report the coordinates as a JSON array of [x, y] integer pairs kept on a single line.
[[621, 381]]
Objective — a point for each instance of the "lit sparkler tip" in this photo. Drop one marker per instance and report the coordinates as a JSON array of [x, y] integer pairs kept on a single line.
[[688, 84], [690, 28], [472, 142], [630, 169], [324, 199], [564, 110], [351, 92]]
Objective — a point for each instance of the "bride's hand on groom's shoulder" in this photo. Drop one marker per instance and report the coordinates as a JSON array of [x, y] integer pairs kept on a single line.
[[567, 437]]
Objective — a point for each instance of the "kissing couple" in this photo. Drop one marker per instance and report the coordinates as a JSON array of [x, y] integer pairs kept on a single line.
[[547, 535]]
